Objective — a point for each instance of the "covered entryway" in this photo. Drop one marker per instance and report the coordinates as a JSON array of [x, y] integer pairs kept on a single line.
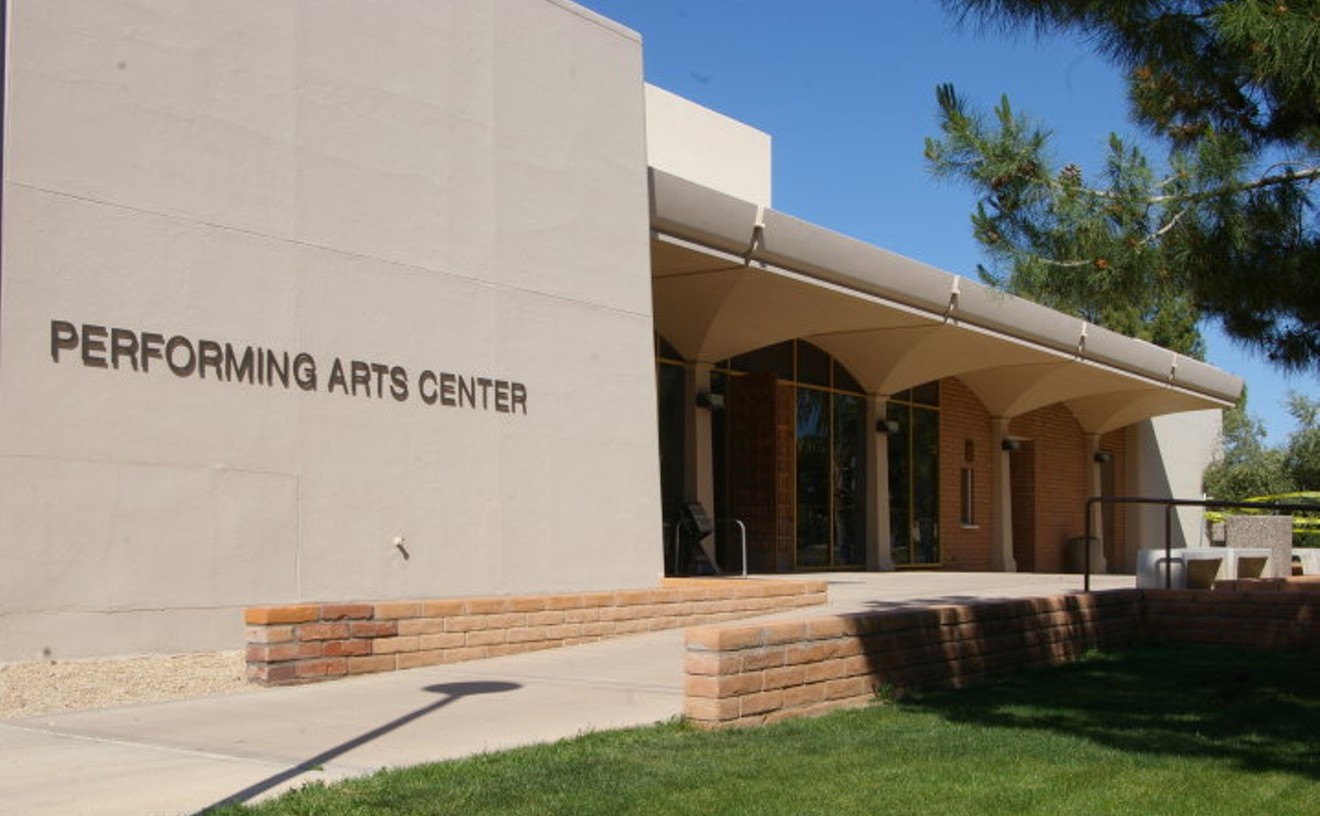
[[792, 463], [822, 350]]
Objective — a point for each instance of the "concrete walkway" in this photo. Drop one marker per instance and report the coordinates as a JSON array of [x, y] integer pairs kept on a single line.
[[181, 757]]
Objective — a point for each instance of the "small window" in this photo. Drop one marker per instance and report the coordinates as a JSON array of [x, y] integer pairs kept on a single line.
[[813, 365], [843, 381], [776, 359], [665, 351], [927, 394], [967, 496]]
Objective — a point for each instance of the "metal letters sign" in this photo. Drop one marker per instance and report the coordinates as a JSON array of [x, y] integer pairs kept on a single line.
[[145, 352]]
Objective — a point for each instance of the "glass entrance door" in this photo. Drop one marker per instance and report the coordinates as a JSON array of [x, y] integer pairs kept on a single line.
[[914, 476], [795, 455], [830, 474], [813, 478]]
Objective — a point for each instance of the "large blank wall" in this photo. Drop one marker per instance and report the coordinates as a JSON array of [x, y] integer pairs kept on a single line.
[[448, 187]]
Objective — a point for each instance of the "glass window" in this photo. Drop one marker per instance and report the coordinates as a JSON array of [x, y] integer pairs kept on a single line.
[[665, 351], [914, 476], [900, 484], [849, 462], [967, 497], [927, 394], [925, 486], [719, 384], [813, 478], [671, 388], [813, 365], [776, 359], [829, 474], [845, 381]]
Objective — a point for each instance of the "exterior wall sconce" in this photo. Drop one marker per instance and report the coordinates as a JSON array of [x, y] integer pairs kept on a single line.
[[1011, 444], [1103, 457], [888, 427], [709, 401]]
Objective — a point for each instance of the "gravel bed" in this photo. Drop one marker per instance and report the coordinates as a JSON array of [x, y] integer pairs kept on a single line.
[[49, 686]]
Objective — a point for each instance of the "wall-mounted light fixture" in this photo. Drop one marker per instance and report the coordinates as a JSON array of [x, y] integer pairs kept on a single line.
[[1011, 444], [969, 451], [709, 401], [888, 427], [1103, 457]]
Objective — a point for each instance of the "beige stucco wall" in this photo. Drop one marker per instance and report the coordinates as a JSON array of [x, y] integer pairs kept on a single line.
[[1168, 455], [700, 145], [452, 187]]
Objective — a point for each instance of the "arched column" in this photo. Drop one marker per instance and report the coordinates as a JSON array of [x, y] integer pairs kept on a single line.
[[878, 555], [699, 449], [1001, 498], [1094, 487]]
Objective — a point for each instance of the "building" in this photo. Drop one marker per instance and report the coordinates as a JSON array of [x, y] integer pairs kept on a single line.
[[321, 301]]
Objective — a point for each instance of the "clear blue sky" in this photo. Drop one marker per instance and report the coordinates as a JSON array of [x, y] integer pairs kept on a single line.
[[846, 90]]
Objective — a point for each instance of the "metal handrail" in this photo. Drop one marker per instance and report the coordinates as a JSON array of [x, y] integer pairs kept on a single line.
[[1169, 505], [742, 529], [678, 541]]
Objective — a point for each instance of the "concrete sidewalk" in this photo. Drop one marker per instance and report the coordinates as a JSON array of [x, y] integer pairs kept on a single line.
[[183, 756]]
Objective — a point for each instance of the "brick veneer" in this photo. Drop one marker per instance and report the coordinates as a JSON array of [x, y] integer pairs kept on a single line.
[[310, 642], [1057, 484], [762, 446], [1115, 443], [962, 420], [1059, 493], [752, 674]]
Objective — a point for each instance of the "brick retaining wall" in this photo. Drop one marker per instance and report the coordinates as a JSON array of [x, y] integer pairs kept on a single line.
[[304, 643], [1250, 613], [745, 675], [753, 674]]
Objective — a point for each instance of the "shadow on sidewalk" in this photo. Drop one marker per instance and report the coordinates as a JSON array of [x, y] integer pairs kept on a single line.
[[451, 692]]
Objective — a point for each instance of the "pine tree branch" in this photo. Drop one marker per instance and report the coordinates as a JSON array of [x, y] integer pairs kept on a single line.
[[1021, 255], [1162, 231], [1308, 174]]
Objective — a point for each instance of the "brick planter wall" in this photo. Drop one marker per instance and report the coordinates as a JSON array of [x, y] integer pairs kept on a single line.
[[753, 674], [311, 642], [748, 675], [1251, 613]]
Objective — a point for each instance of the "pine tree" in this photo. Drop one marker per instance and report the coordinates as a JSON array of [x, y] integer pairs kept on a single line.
[[1301, 458], [1246, 467], [1228, 228]]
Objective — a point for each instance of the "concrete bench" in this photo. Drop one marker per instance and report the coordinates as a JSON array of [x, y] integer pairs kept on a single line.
[[1309, 558], [1199, 567]]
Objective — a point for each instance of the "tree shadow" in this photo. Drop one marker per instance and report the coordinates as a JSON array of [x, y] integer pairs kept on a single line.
[[1256, 711], [925, 603], [450, 692]]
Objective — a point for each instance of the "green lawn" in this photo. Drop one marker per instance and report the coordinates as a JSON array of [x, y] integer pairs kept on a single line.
[[1150, 731]]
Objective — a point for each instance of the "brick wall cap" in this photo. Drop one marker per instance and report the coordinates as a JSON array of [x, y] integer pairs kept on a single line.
[[266, 615]]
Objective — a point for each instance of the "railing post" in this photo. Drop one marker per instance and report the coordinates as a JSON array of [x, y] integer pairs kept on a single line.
[[1168, 548], [1086, 547], [742, 533], [678, 531], [1169, 506]]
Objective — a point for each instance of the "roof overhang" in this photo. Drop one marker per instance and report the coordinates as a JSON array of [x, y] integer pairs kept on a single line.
[[729, 277]]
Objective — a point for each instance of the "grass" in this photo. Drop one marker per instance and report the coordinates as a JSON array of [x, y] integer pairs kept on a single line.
[[1152, 731]]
